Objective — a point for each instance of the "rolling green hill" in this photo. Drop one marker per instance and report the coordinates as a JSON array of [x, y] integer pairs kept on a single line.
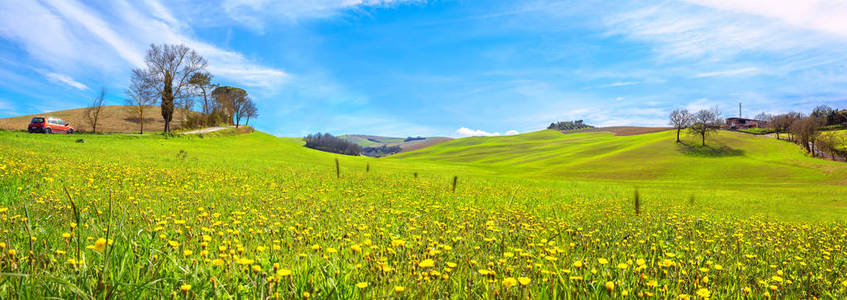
[[729, 157]]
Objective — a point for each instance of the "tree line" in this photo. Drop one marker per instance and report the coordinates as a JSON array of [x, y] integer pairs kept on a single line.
[[329, 143], [175, 77], [808, 131]]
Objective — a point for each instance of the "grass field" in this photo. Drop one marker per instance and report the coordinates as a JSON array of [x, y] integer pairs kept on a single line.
[[537, 215]]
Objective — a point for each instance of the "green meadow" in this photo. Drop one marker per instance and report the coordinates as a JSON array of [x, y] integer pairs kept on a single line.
[[536, 215]]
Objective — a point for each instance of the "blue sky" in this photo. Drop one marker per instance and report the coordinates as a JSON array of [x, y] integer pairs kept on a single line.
[[448, 68]]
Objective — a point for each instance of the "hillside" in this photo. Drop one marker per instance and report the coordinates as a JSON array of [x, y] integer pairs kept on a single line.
[[730, 158], [114, 118], [237, 208]]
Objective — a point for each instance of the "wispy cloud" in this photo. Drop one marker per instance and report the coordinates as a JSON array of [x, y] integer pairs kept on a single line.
[[828, 16], [70, 37], [256, 13], [727, 72], [62, 78], [5, 105], [614, 84], [718, 30]]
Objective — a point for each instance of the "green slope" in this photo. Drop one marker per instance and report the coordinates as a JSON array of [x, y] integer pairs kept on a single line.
[[746, 175], [729, 157]]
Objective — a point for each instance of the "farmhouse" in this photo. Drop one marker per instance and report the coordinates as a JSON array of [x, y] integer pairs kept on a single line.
[[742, 123]]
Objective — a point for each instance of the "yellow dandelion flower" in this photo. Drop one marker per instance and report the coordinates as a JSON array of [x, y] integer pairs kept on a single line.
[[602, 261], [610, 285], [577, 264], [185, 287], [426, 263], [362, 285], [399, 289], [100, 244], [509, 282], [524, 280], [704, 293]]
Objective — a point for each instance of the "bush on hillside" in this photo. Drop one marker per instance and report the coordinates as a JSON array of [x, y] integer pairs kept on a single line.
[[329, 143], [569, 125]]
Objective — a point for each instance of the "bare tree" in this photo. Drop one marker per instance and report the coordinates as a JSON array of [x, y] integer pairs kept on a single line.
[[763, 116], [705, 122], [805, 131], [92, 112], [250, 111], [169, 70], [239, 108], [680, 119], [140, 98], [203, 87]]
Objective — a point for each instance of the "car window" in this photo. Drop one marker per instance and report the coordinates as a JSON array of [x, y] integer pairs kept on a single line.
[[37, 120]]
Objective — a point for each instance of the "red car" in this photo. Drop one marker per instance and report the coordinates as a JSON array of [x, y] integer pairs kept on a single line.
[[49, 125]]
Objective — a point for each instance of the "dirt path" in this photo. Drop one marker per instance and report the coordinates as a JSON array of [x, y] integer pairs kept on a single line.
[[819, 153], [207, 130]]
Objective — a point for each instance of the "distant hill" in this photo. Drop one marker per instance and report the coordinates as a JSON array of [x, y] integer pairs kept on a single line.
[[405, 144], [113, 118]]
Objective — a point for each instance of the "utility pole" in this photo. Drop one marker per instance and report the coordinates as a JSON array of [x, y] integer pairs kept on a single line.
[[739, 109]]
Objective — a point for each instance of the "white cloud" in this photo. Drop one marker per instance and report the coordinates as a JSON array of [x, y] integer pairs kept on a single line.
[[62, 78], [727, 72], [466, 132], [619, 99]]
